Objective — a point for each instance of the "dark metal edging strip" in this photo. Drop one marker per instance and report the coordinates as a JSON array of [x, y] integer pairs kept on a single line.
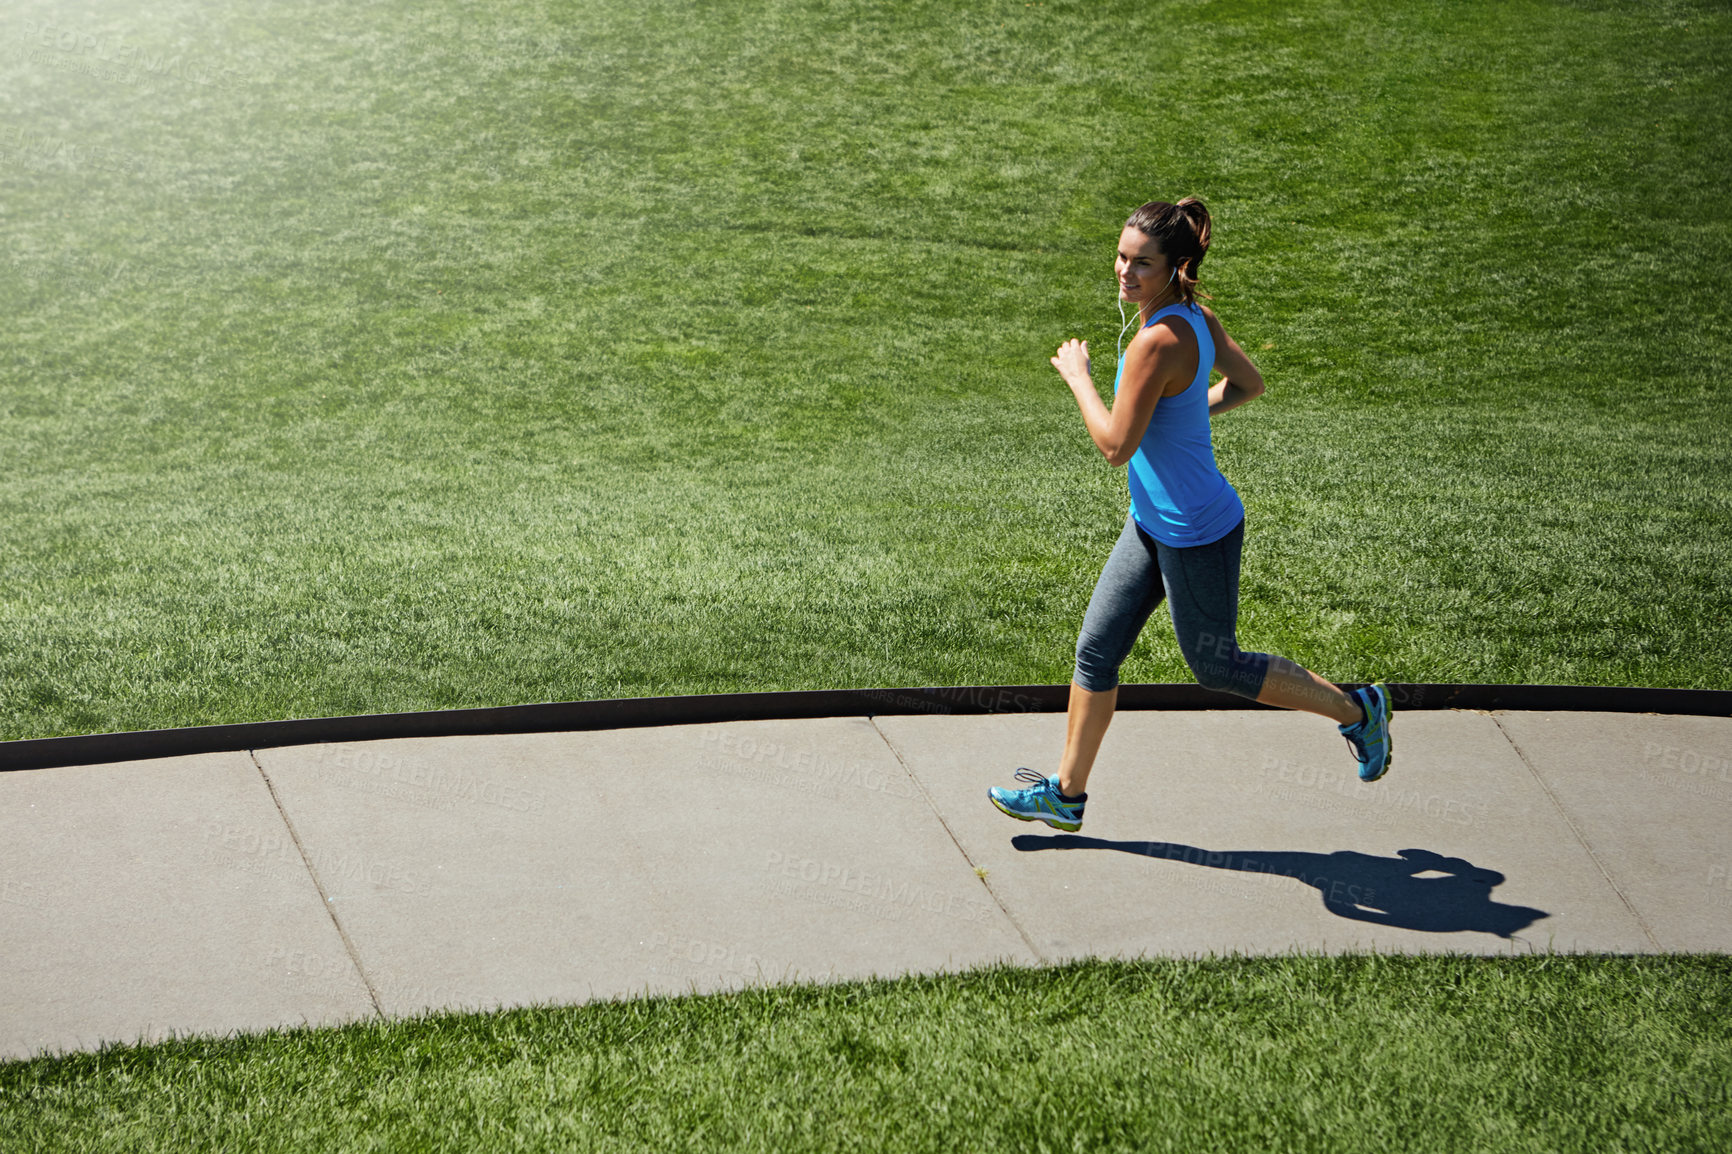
[[635, 712]]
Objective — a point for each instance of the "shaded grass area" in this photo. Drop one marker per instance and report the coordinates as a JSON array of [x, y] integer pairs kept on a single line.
[[450, 355], [1361, 1052]]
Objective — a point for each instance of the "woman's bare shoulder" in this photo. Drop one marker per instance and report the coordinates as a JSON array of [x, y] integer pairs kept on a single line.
[[1167, 335], [1167, 351]]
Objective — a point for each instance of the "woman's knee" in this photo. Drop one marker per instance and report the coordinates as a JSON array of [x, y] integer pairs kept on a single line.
[[1096, 671], [1220, 665], [1095, 680], [1212, 673]]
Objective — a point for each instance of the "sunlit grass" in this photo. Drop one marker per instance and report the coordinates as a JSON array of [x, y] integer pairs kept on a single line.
[[1351, 1053], [452, 357]]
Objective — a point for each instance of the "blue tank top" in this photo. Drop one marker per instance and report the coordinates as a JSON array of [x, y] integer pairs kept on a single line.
[[1178, 494]]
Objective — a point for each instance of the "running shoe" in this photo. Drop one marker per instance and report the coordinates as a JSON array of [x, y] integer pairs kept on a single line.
[[1369, 738], [1040, 802]]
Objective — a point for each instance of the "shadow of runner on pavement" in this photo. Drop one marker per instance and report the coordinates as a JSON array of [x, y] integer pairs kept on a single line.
[[1387, 891]]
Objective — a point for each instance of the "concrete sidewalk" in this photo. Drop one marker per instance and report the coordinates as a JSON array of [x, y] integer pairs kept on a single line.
[[329, 883]]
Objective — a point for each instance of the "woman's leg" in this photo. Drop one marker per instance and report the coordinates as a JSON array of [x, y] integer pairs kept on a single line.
[[1085, 726], [1292, 686], [1126, 594], [1203, 592]]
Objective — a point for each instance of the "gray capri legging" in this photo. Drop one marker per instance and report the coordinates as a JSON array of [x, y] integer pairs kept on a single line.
[[1201, 586]]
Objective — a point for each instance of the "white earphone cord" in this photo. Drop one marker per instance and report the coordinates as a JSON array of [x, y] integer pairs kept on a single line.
[[1138, 314]]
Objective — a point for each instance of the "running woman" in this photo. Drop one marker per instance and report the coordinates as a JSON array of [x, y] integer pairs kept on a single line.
[[1186, 526]]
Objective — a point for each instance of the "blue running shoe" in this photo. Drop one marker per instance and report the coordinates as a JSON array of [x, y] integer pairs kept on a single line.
[[1041, 802], [1370, 738]]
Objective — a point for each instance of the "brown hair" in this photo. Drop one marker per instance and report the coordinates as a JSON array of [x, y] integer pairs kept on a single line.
[[1182, 232]]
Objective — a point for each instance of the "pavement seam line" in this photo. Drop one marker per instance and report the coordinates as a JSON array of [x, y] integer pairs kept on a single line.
[[1581, 838], [324, 898], [933, 806]]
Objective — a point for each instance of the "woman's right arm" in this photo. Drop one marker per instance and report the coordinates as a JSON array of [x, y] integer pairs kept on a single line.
[[1242, 380]]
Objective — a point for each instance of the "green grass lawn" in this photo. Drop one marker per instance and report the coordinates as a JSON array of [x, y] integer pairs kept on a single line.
[[363, 358], [437, 355], [1357, 1053]]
